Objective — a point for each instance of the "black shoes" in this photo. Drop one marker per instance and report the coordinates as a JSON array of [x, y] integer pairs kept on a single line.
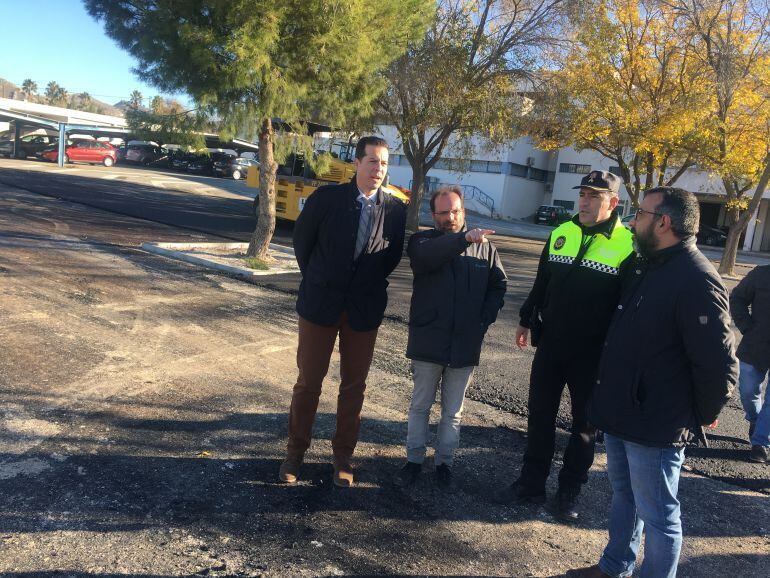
[[566, 504], [407, 475], [520, 492], [410, 471], [444, 478], [759, 454]]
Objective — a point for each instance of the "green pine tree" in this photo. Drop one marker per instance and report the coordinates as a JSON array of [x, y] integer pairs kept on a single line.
[[246, 62]]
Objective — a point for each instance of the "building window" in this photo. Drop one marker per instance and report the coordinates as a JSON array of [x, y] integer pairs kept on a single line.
[[537, 174], [573, 168], [518, 170], [449, 164], [569, 205], [479, 166], [462, 165], [615, 171]]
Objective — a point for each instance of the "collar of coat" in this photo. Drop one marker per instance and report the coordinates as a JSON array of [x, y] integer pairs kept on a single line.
[[604, 228], [658, 258], [355, 191], [463, 229]]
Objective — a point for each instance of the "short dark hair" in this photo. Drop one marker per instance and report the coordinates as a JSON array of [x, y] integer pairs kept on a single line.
[[445, 190], [369, 140], [681, 207]]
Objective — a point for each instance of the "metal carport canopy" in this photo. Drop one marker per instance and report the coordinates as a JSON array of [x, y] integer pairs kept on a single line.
[[58, 119], [64, 120]]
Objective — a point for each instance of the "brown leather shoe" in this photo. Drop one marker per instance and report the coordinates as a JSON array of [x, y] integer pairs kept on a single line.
[[343, 474], [587, 572], [289, 471]]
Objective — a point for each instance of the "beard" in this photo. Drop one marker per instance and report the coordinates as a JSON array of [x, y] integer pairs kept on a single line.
[[645, 242], [450, 227]]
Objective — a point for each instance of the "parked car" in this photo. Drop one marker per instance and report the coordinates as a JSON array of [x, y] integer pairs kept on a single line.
[[179, 160], [233, 167], [203, 164], [712, 236], [145, 154], [552, 215], [87, 151], [200, 164], [29, 145], [120, 151]]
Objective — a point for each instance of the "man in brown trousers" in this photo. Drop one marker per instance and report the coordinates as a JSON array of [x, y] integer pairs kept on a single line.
[[347, 240]]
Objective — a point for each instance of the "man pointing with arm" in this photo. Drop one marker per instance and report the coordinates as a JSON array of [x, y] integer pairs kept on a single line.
[[459, 285]]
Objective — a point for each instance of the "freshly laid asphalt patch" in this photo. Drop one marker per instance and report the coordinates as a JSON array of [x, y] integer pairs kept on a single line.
[[144, 419]]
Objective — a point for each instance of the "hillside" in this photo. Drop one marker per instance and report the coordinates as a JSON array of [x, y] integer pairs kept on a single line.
[[75, 101]]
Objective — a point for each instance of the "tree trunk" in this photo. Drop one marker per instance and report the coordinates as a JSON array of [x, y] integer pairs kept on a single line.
[[730, 254], [268, 168], [740, 222], [418, 192]]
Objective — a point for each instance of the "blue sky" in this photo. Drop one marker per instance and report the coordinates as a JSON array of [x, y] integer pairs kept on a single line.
[[58, 40]]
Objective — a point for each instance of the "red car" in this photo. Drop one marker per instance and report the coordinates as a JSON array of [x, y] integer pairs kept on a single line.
[[87, 151]]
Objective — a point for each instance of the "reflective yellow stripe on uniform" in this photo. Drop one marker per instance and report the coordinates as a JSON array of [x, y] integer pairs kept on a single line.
[[603, 254]]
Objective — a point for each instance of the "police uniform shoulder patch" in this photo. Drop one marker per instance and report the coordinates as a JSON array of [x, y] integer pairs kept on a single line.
[[559, 243]]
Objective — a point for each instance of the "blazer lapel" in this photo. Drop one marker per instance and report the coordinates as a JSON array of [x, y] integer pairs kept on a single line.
[[354, 216]]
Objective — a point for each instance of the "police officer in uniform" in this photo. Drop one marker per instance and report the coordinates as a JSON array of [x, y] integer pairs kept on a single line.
[[567, 312]]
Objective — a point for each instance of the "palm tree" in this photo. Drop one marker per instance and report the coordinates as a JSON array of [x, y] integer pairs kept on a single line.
[[55, 94], [86, 102], [156, 104], [136, 99], [28, 88]]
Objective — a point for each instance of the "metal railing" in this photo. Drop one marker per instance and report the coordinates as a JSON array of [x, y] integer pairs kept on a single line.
[[469, 192]]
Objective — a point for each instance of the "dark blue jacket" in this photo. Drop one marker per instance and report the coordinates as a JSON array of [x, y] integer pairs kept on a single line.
[[668, 364], [458, 290], [750, 306], [324, 243]]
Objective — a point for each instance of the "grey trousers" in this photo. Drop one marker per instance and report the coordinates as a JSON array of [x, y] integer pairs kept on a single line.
[[454, 382]]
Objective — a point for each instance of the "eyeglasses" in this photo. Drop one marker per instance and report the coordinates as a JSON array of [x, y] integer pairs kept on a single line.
[[454, 213], [639, 212]]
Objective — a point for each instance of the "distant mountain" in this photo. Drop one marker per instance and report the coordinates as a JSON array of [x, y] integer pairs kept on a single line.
[[124, 105], [10, 90], [78, 101]]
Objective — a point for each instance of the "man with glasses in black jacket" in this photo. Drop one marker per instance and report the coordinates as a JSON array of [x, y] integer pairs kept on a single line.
[[666, 372], [459, 286]]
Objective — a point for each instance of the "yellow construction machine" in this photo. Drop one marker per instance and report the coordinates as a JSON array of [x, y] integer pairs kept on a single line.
[[295, 182]]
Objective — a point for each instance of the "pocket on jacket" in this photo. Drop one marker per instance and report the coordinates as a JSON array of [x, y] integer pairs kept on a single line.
[[423, 318], [379, 244]]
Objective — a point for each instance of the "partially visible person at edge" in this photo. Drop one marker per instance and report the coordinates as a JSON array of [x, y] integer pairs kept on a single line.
[[667, 370], [576, 290], [459, 285], [347, 240], [750, 307]]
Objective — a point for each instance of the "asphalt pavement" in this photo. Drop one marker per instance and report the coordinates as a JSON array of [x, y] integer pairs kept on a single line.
[[212, 208], [145, 399]]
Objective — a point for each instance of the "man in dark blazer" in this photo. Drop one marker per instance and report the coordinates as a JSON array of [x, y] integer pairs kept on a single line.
[[347, 240]]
